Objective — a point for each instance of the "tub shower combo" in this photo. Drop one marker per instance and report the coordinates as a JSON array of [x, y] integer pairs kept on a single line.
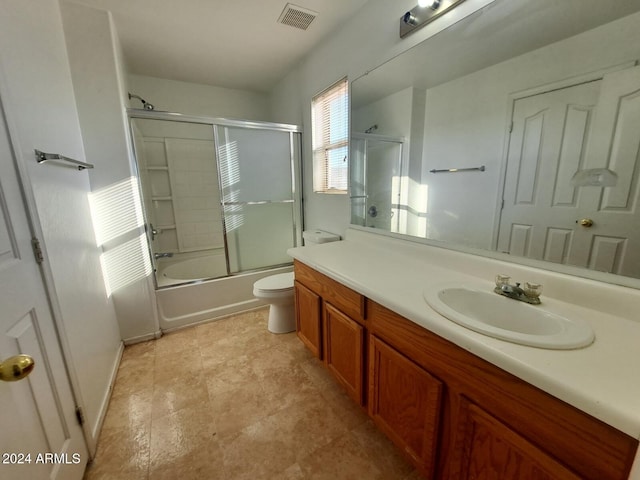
[[222, 205]]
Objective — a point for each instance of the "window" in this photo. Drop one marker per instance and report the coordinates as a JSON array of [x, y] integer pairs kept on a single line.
[[330, 130]]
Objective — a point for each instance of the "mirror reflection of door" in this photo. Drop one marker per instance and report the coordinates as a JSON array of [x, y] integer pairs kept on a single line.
[[555, 134]]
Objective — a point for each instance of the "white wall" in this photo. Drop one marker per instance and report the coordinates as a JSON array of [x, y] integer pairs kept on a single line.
[[39, 101], [100, 92], [466, 122], [366, 40], [197, 99]]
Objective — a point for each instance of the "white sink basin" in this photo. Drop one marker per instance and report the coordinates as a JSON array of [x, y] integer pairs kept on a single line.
[[500, 317]]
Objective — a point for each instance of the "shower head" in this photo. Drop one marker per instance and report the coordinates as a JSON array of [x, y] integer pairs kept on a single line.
[[145, 105]]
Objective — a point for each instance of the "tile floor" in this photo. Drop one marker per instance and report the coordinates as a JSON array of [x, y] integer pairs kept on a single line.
[[228, 400]]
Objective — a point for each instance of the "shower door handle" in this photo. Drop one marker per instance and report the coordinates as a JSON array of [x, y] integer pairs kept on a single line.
[[257, 202], [153, 231]]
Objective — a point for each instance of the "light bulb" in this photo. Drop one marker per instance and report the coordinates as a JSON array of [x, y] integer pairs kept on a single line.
[[432, 4]]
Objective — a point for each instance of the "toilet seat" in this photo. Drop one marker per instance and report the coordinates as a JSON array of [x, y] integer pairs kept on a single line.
[[282, 282]]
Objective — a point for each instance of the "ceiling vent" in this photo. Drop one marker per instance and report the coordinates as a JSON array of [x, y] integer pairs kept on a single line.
[[296, 16]]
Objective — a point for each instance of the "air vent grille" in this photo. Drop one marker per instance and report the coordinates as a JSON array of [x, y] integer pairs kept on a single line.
[[297, 17]]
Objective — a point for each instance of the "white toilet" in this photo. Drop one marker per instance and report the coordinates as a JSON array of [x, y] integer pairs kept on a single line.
[[277, 290]]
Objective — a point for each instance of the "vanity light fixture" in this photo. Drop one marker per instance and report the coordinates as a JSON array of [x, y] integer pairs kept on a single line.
[[426, 11], [432, 4]]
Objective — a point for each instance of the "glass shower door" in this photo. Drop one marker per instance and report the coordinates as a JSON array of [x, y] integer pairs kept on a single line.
[[258, 199], [375, 181]]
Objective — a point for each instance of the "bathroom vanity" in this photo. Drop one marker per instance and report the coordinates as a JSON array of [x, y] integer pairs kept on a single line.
[[457, 403]]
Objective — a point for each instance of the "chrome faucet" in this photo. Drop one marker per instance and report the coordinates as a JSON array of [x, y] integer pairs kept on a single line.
[[162, 255], [529, 294]]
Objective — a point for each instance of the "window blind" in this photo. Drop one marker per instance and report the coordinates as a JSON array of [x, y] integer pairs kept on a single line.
[[330, 131]]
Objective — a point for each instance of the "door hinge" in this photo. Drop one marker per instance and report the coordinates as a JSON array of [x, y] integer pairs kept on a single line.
[[511, 127], [37, 250], [80, 415]]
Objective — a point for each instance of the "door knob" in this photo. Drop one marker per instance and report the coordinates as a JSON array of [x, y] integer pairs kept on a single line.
[[585, 222], [16, 368]]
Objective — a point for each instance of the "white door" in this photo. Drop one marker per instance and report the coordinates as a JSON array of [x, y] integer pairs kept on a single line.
[[555, 134], [612, 242], [547, 146], [40, 437]]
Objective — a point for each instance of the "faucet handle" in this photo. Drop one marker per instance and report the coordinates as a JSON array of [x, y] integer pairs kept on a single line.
[[502, 280], [532, 290]]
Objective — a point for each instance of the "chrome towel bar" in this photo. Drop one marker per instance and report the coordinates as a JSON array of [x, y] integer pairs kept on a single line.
[[481, 168], [42, 157]]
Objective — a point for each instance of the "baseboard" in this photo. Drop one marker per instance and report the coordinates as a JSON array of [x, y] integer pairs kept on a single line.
[[142, 338], [97, 428]]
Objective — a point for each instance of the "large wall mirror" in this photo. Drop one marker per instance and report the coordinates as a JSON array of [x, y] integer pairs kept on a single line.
[[516, 130]]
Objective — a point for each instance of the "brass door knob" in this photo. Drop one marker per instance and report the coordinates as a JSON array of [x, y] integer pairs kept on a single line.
[[585, 222], [16, 368]]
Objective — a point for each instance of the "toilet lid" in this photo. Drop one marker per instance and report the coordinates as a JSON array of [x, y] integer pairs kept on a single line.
[[281, 281]]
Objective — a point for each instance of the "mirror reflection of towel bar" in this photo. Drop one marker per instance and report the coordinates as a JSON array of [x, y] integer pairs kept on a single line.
[[481, 168], [42, 157]]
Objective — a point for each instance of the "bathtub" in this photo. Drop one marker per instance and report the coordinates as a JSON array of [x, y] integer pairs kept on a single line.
[[190, 269], [198, 302]]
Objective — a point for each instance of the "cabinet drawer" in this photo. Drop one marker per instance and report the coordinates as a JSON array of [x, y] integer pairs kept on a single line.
[[345, 299]]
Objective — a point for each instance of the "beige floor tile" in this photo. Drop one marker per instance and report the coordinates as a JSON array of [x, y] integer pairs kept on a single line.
[[257, 453], [177, 342], [121, 454], [203, 463], [134, 375], [130, 412], [289, 388], [229, 400], [382, 452], [240, 407], [179, 434], [172, 395], [304, 427], [343, 459], [229, 374]]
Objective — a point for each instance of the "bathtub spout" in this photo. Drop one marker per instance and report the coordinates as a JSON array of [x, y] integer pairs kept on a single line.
[[162, 255]]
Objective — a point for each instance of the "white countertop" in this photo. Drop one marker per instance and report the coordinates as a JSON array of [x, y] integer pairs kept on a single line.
[[602, 379]]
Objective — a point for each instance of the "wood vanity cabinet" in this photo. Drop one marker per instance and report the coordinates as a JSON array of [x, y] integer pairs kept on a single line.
[[330, 320], [454, 415], [494, 425], [344, 351], [489, 449], [405, 403], [308, 318]]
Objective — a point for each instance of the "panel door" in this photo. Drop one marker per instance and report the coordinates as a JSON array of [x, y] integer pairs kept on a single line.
[[38, 419], [612, 242], [488, 450], [405, 403], [556, 134], [547, 146], [344, 345], [308, 318]]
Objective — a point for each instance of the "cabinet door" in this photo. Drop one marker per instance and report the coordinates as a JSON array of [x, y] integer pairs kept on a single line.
[[308, 318], [344, 341], [404, 402], [487, 449]]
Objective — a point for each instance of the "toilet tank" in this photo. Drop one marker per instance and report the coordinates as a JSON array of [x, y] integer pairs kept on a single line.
[[316, 237]]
